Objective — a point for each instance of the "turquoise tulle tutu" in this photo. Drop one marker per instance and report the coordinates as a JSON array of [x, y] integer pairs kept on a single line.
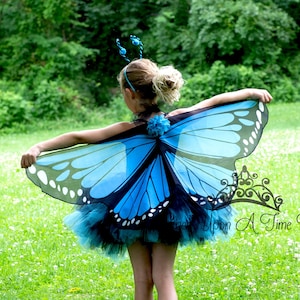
[[181, 223]]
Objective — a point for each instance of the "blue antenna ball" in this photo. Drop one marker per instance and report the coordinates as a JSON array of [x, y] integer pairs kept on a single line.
[[135, 42], [122, 51]]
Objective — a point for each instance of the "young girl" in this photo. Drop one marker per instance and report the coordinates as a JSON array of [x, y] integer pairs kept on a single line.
[[152, 243]]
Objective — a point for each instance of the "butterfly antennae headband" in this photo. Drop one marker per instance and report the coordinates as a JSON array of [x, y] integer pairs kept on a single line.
[[135, 42], [122, 51]]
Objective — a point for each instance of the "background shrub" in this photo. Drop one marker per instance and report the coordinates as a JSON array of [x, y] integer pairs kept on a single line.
[[286, 90], [220, 79], [13, 109]]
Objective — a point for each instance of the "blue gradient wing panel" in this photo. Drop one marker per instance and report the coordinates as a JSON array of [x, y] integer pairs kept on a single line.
[[147, 197], [202, 148], [101, 169]]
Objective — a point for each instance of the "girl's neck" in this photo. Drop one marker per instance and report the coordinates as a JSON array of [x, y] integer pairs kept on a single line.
[[145, 114]]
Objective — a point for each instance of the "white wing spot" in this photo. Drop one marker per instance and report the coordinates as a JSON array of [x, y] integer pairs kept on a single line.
[[261, 106], [65, 190], [165, 204], [52, 183], [258, 114], [251, 140], [245, 142], [80, 192], [72, 194], [32, 169], [42, 177]]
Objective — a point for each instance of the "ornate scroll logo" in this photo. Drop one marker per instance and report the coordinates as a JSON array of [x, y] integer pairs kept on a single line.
[[245, 187], [249, 189]]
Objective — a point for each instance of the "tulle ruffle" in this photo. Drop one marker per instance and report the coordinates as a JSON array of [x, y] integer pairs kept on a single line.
[[183, 222]]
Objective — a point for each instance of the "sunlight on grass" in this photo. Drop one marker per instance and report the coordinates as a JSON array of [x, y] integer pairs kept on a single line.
[[40, 258]]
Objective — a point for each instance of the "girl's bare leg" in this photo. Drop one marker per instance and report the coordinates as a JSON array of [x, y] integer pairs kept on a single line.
[[163, 258], [141, 261], [153, 265]]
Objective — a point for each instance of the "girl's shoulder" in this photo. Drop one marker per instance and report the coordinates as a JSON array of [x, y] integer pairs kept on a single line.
[[200, 105]]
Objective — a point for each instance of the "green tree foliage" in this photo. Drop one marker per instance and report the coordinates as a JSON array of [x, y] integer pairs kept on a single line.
[[240, 32], [13, 108], [168, 38], [38, 49], [60, 55]]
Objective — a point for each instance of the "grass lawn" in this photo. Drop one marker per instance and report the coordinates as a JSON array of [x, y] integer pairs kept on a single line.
[[40, 258]]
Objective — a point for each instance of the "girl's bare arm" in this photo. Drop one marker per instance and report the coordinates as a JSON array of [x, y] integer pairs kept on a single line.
[[259, 94], [72, 138]]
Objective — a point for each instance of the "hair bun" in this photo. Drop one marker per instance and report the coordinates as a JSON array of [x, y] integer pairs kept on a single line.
[[167, 84], [170, 84]]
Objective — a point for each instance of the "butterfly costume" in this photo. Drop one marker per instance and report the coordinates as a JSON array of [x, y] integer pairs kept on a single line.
[[167, 180]]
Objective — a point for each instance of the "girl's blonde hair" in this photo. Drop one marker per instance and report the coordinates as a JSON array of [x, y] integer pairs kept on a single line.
[[151, 82]]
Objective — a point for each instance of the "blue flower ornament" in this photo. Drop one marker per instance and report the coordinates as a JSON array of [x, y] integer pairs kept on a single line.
[[158, 125]]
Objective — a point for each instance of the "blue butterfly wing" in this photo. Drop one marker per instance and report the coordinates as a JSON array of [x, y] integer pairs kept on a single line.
[[135, 176], [147, 197], [101, 169], [126, 175], [202, 148]]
